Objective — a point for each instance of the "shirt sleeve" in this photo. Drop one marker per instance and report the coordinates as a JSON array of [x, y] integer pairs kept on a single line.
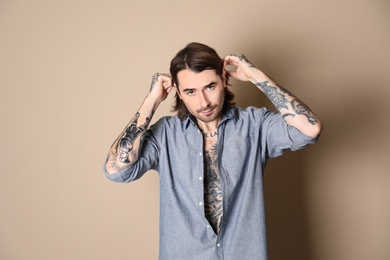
[[147, 160], [281, 136]]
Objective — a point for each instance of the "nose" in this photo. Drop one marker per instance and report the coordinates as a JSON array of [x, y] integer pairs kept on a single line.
[[203, 100]]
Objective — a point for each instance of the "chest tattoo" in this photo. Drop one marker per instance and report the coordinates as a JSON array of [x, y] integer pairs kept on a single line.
[[212, 189]]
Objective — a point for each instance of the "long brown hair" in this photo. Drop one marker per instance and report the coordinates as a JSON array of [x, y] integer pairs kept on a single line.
[[198, 57]]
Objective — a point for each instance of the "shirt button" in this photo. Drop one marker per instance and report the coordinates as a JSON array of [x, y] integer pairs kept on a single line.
[[208, 226], [218, 245], [200, 203], [200, 154], [200, 178]]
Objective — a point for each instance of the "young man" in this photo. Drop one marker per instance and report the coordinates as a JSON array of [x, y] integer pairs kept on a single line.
[[211, 156]]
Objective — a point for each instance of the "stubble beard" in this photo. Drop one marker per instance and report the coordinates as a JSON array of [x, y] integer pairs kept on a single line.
[[216, 114]]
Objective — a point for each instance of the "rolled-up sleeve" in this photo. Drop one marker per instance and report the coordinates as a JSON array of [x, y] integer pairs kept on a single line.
[[147, 160], [281, 137]]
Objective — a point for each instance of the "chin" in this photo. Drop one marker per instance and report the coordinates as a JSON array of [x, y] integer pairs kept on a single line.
[[208, 119]]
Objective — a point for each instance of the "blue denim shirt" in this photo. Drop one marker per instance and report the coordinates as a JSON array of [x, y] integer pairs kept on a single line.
[[174, 148]]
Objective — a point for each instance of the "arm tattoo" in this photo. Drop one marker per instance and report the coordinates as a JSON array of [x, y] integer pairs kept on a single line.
[[280, 101], [212, 189], [154, 79], [289, 114], [302, 109], [277, 98], [126, 142]]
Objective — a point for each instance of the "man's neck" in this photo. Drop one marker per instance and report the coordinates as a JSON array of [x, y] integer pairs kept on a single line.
[[209, 127], [210, 134]]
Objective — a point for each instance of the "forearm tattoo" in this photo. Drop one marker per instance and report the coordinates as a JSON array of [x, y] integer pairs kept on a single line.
[[302, 109], [288, 114], [126, 142], [277, 95], [212, 190], [277, 98]]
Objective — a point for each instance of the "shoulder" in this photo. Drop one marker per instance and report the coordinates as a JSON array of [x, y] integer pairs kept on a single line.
[[168, 123], [252, 119], [253, 113]]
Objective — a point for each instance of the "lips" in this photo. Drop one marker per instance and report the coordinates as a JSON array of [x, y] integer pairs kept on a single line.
[[207, 112]]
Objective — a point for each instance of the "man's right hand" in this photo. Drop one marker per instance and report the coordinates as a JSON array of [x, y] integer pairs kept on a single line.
[[160, 87]]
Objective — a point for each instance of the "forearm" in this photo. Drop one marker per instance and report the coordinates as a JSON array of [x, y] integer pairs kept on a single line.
[[124, 151], [294, 111]]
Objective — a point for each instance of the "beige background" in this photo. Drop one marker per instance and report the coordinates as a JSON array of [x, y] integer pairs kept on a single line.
[[73, 73]]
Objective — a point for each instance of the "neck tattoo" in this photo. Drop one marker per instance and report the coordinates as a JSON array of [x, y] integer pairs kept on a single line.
[[209, 134]]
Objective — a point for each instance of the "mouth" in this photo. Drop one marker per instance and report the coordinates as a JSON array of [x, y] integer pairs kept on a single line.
[[207, 112]]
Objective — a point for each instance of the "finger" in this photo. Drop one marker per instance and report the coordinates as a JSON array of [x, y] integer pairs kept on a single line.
[[158, 76], [165, 75], [225, 61], [166, 80], [166, 86], [232, 73], [231, 56], [160, 79], [232, 60], [168, 89]]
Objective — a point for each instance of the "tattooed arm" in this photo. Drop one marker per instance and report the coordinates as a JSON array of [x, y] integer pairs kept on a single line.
[[124, 151], [294, 111]]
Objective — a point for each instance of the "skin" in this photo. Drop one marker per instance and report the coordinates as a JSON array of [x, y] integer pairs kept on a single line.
[[203, 95], [213, 200]]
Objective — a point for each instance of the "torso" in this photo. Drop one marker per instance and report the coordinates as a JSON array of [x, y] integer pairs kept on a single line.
[[212, 185]]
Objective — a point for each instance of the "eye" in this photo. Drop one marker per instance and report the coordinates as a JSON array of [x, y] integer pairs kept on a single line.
[[190, 92], [211, 87]]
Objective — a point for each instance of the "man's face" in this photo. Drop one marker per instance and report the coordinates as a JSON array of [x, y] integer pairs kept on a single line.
[[202, 93]]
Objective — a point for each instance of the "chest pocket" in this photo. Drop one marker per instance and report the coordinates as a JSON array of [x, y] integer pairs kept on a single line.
[[237, 156]]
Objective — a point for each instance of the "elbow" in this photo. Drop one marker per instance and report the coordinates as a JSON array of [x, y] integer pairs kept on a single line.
[[312, 128], [120, 174], [109, 166], [112, 174], [111, 171], [113, 165], [315, 130], [108, 169]]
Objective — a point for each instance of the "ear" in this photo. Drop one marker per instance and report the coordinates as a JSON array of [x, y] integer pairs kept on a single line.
[[224, 78]]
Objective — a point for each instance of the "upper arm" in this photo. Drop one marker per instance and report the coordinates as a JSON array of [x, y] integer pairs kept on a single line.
[[280, 136]]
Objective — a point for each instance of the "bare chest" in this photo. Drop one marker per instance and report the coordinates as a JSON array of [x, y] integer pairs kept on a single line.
[[210, 141], [212, 185]]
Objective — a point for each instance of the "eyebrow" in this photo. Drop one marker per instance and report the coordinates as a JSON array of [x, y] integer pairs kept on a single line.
[[206, 86]]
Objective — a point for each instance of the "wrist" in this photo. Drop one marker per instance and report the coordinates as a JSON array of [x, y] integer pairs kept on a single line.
[[152, 101], [258, 77]]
